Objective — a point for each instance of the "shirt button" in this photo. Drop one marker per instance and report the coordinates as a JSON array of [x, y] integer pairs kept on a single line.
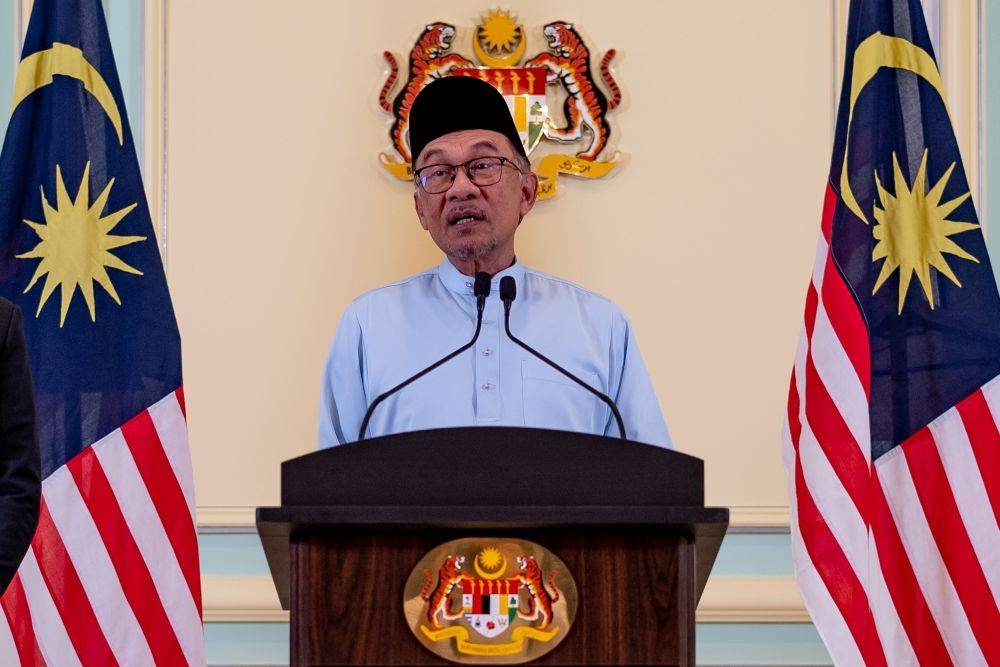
[[487, 352], [487, 386]]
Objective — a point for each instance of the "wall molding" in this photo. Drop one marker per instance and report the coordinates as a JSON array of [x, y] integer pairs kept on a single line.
[[959, 62], [154, 116], [751, 600], [763, 518], [236, 518], [252, 599], [247, 599]]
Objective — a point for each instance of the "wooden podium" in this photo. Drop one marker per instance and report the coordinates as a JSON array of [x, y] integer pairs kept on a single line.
[[627, 519]]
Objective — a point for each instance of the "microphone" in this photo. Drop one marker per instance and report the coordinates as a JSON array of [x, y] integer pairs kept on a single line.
[[481, 288], [508, 292]]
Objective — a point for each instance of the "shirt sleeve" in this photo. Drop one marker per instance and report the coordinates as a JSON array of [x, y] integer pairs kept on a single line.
[[634, 393], [342, 399]]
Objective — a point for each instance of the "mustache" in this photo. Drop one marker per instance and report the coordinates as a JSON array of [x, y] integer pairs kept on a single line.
[[465, 212]]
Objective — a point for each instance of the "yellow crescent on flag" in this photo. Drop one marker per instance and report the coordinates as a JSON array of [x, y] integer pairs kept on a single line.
[[37, 70], [874, 53]]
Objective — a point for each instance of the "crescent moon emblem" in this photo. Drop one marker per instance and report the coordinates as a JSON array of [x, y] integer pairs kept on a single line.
[[37, 70], [874, 53], [485, 575], [503, 61]]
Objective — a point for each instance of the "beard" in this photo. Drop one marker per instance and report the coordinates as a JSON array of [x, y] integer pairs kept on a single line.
[[473, 249]]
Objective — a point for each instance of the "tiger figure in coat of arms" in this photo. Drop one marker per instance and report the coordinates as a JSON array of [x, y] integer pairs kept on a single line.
[[437, 596], [429, 59], [540, 601], [568, 62]]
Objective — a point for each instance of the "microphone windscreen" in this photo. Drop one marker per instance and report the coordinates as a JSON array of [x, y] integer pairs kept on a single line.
[[508, 288], [482, 285]]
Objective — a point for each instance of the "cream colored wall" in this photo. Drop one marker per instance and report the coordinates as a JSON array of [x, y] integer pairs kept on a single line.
[[278, 212]]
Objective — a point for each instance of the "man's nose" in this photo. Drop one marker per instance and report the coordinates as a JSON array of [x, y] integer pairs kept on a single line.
[[462, 187]]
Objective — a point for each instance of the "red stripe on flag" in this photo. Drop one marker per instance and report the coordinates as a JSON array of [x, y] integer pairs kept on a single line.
[[836, 439], [180, 401], [830, 200], [15, 608], [167, 496], [827, 556], [67, 593], [126, 558], [907, 598], [836, 572], [847, 323], [812, 304], [952, 539], [794, 425], [985, 440]]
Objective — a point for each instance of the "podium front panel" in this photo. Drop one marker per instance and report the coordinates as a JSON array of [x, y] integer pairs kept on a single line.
[[636, 595]]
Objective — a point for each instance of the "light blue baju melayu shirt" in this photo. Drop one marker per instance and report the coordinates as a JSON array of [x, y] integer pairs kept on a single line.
[[390, 333]]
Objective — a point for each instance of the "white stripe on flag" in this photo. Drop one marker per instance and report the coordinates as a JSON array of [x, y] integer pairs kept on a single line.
[[991, 390], [967, 486], [838, 375], [819, 264], [50, 633], [98, 577], [144, 524], [171, 427], [8, 650], [832, 500], [800, 368], [834, 503], [895, 642], [788, 455], [928, 565], [822, 609], [828, 620]]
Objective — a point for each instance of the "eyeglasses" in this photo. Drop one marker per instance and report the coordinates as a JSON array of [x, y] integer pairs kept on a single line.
[[437, 178]]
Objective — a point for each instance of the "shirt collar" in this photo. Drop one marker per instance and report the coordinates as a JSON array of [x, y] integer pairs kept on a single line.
[[458, 282]]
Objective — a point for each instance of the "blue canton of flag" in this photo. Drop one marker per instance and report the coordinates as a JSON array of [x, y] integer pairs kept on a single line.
[[112, 574], [891, 439]]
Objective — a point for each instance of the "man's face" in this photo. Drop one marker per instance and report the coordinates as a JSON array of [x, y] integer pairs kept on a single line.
[[468, 221]]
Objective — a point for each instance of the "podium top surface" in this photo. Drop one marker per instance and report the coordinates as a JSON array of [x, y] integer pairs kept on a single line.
[[493, 466]]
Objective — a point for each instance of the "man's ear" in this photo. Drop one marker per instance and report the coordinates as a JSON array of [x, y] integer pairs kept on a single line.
[[420, 209], [529, 192]]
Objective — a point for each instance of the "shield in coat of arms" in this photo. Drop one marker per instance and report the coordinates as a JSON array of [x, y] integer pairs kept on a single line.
[[485, 600]]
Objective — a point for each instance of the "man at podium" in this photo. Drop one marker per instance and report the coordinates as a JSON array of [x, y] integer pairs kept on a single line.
[[473, 186]]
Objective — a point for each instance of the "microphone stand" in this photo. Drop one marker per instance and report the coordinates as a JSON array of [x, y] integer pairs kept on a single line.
[[507, 295], [482, 290]]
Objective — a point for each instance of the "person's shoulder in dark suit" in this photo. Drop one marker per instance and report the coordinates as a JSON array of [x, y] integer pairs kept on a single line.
[[20, 483]]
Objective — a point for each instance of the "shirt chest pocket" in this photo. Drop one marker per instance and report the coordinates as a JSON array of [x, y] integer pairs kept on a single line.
[[553, 401]]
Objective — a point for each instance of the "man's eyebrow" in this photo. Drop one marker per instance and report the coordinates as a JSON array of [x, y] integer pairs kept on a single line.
[[430, 154]]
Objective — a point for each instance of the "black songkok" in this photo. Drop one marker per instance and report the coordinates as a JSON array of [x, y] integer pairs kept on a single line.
[[456, 103]]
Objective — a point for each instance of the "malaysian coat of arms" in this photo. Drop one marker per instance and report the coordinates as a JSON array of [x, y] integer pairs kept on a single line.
[[553, 95], [490, 601]]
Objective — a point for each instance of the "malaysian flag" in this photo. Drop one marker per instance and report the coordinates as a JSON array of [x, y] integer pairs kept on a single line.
[[891, 440], [112, 573]]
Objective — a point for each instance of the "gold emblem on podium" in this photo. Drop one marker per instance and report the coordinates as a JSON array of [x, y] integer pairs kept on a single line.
[[490, 601]]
